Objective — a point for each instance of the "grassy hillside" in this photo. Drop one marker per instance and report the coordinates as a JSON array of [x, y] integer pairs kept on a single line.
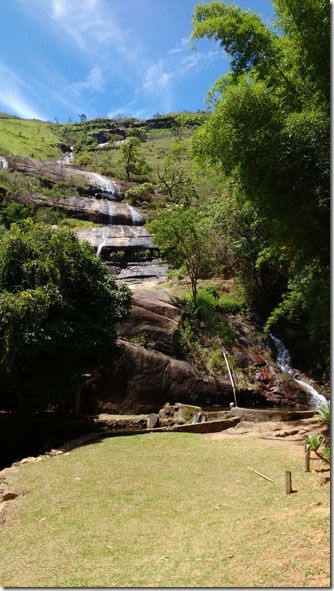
[[28, 137], [42, 140]]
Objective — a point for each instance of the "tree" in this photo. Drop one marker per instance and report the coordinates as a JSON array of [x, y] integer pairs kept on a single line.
[[58, 314], [131, 158], [184, 238], [269, 131], [173, 179]]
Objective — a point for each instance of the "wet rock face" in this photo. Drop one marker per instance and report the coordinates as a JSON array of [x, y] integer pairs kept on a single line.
[[279, 388], [56, 171], [100, 211], [118, 234]]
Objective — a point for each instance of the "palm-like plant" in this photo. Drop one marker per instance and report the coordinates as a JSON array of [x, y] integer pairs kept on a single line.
[[324, 412], [314, 443]]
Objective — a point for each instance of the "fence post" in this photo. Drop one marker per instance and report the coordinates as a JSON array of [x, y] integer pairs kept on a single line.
[[288, 483], [307, 458]]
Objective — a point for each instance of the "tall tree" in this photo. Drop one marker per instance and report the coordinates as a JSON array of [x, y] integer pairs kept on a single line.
[[270, 131], [58, 313], [188, 240], [172, 177]]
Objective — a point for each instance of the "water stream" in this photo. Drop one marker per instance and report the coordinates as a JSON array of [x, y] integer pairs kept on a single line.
[[283, 361], [102, 184], [3, 162]]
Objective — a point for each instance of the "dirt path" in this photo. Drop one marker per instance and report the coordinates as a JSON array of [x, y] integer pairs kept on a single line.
[[275, 433]]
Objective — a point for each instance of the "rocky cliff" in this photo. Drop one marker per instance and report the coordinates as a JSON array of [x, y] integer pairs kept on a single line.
[[149, 371]]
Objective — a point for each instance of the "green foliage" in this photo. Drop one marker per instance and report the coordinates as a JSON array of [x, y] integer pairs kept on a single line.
[[132, 159], [314, 442], [324, 412], [13, 212], [173, 179], [242, 34], [140, 134], [184, 240], [269, 131], [137, 194], [326, 453], [319, 446], [59, 310], [204, 331], [307, 25], [317, 443], [211, 300]]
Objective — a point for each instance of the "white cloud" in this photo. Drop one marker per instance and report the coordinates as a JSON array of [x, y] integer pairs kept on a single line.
[[93, 26], [156, 78], [115, 57], [90, 25], [94, 82], [12, 95], [159, 76], [58, 9], [195, 60]]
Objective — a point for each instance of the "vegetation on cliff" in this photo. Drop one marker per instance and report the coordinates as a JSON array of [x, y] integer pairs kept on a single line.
[[241, 190], [269, 132]]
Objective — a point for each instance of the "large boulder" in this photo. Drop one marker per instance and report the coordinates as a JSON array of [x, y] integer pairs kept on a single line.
[[142, 380], [153, 320]]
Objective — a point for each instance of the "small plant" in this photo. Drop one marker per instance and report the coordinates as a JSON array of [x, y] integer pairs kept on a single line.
[[216, 362], [187, 341], [324, 412], [326, 453], [314, 443]]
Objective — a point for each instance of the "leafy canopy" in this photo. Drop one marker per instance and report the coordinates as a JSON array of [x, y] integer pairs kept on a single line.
[[187, 238], [269, 131], [58, 312]]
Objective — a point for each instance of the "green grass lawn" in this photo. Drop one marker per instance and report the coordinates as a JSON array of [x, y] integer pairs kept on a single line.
[[167, 510]]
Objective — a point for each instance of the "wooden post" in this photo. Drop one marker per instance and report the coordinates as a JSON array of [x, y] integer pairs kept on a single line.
[[288, 483], [307, 460], [231, 379]]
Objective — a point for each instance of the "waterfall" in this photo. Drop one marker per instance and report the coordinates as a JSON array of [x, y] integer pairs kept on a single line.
[[136, 216], [283, 361], [103, 241], [105, 233], [102, 184], [3, 162]]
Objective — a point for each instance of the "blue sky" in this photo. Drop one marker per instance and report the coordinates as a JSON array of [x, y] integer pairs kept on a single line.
[[63, 58]]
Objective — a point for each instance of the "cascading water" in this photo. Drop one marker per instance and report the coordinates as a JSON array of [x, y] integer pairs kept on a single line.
[[123, 231], [283, 361], [3, 162], [103, 242], [105, 230], [136, 216], [102, 184]]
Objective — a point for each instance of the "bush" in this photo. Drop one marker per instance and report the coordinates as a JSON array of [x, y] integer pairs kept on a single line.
[[58, 313]]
